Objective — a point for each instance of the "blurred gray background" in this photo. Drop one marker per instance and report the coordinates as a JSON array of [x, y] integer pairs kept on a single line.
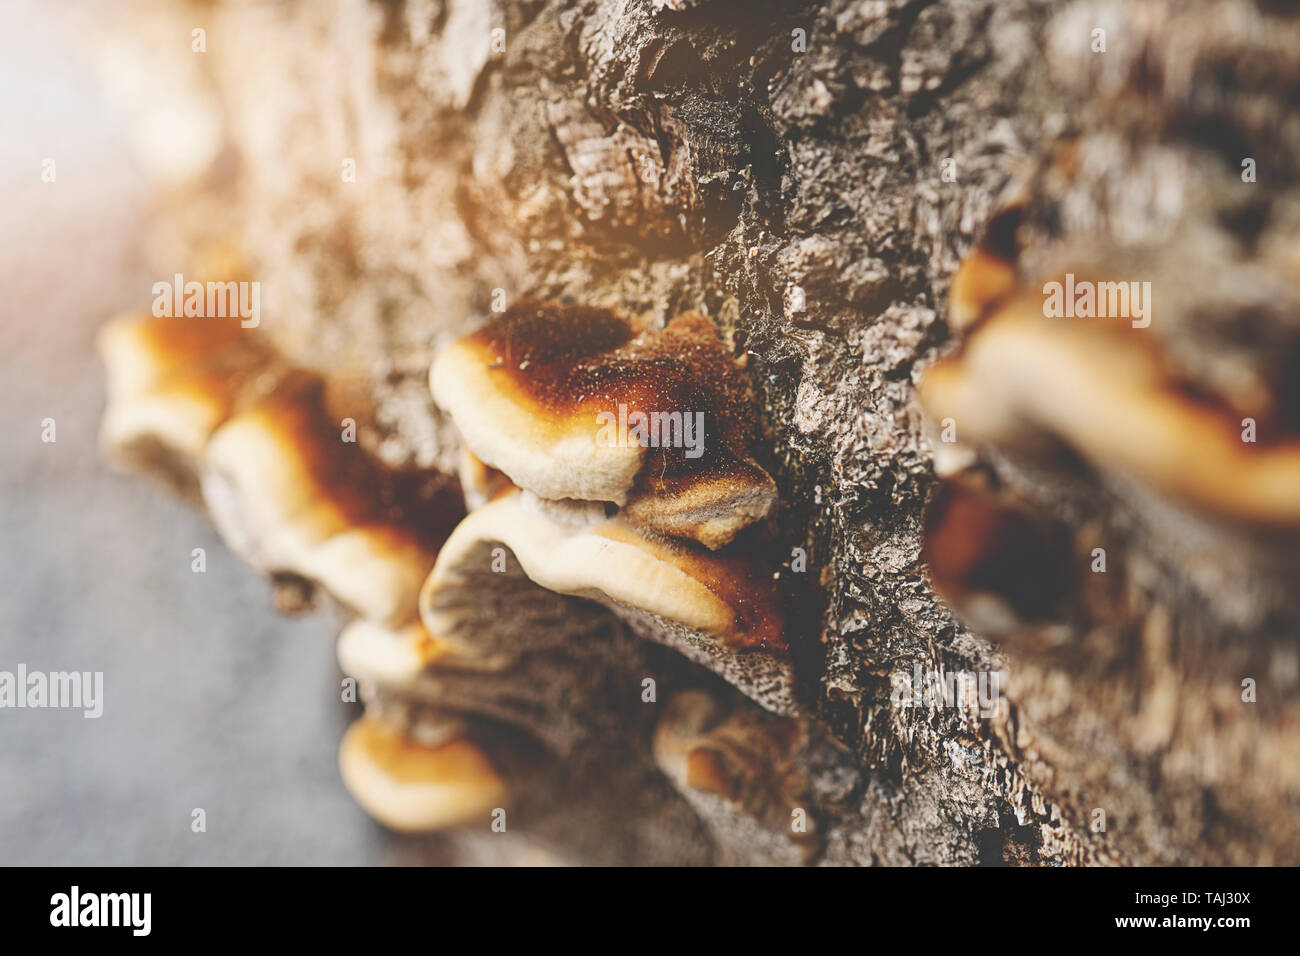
[[211, 700]]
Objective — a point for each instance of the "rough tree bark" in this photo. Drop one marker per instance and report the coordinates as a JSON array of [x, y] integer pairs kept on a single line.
[[810, 175]]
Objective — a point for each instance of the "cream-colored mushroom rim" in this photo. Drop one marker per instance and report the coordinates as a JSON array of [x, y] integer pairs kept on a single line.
[[609, 560], [140, 351], [163, 380], [479, 482], [1106, 395], [259, 488], [416, 788], [396, 657], [555, 458], [179, 417]]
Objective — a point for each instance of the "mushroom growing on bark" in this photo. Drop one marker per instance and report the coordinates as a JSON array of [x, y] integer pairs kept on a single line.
[[292, 496], [212, 408], [1104, 392], [576, 403], [814, 206], [171, 382], [719, 609], [418, 787], [740, 768], [634, 452]]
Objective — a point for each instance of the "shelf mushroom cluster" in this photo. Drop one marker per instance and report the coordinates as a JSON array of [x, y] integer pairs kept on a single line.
[[463, 629], [624, 472], [221, 416], [227, 418]]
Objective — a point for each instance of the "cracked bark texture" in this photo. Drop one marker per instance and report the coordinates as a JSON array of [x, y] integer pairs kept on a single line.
[[779, 166]]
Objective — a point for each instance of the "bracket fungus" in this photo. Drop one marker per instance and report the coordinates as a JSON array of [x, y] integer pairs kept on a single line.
[[213, 409], [658, 531], [1103, 389], [738, 766], [376, 654], [634, 457], [290, 496], [723, 610], [609, 594], [564, 721], [418, 787], [576, 403], [988, 273], [171, 382]]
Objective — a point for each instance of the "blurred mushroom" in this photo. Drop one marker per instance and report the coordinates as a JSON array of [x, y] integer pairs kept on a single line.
[[171, 382], [211, 407], [575, 403], [289, 494], [1104, 391], [987, 274], [414, 787], [738, 768], [996, 564], [377, 654]]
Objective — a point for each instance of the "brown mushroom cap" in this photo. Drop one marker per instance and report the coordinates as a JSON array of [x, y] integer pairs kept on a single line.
[[290, 495], [982, 279], [210, 404], [1104, 391], [549, 395], [142, 351], [171, 382], [988, 274], [416, 788]]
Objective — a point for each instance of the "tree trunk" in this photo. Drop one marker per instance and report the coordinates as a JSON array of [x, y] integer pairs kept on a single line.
[[810, 175]]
